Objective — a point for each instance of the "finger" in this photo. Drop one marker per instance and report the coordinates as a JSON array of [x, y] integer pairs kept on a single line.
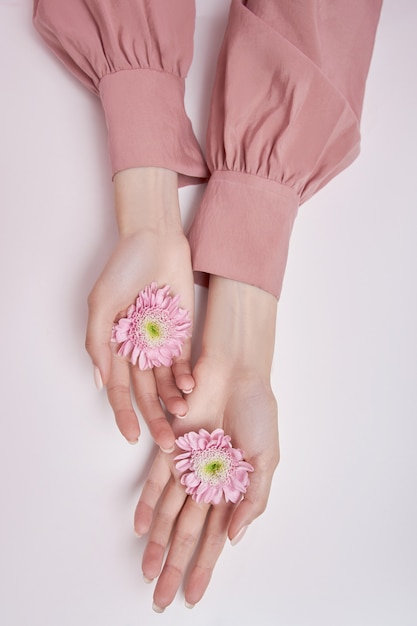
[[146, 394], [163, 523], [153, 488], [215, 535], [186, 534], [169, 392], [181, 369], [255, 500], [118, 393], [99, 327]]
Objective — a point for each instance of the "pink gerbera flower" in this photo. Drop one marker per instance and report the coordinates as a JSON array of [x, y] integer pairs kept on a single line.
[[211, 467], [154, 330]]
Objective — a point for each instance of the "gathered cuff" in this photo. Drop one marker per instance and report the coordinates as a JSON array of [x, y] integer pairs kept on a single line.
[[242, 230], [148, 126]]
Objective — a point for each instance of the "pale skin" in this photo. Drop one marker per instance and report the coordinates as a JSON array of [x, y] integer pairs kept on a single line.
[[230, 384], [151, 247], [232, 392]]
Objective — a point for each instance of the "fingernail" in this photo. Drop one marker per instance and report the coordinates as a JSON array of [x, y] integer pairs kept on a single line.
[[239, 536], [168, 450], [187, 391], [132, 442], [137, 535], [97, 378], [181, 417], [148, 581], [188, 605], [157, 608]]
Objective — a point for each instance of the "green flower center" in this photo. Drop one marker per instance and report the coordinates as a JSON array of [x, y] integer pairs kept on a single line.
[[153, 330], [212, 466]]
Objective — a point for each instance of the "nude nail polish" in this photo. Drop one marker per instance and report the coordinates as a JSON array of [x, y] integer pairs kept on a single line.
[[239, 536], [189, 605], [97, 378], [157, 608]]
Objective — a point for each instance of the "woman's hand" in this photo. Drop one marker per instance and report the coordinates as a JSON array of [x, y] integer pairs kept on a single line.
[[151, 248], [232, 392]]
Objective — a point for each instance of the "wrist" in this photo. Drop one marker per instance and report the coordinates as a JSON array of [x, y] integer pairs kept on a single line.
[[146, 199], [244, 319]]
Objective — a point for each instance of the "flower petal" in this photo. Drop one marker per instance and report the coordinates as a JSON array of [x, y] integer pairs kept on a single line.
[[183, 466], [183, 443], [231, 494], [191, 480], [143, 361], [211, 468]]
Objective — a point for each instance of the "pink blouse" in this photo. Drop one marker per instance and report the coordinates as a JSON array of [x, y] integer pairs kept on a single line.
[[284, 117]]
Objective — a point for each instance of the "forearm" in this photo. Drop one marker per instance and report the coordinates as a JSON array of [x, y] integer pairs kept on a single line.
[[241, 329], [146, 200]]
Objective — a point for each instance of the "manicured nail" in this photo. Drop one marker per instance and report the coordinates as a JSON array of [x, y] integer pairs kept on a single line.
[[168, 450], [188, 605], [132, 442], [187, 391], [181, 417], [148, 581], [97, 378], [239, 536], [157, 608], [137, 535]]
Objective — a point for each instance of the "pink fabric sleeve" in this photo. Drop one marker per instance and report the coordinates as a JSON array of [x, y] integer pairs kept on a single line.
[[135, 55], [284, 120]]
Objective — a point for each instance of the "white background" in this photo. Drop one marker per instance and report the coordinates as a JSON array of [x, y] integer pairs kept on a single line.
[[337, 545]]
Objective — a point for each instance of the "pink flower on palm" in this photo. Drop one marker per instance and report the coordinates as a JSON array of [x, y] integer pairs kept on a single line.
[[211, 467], [154, 330]]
